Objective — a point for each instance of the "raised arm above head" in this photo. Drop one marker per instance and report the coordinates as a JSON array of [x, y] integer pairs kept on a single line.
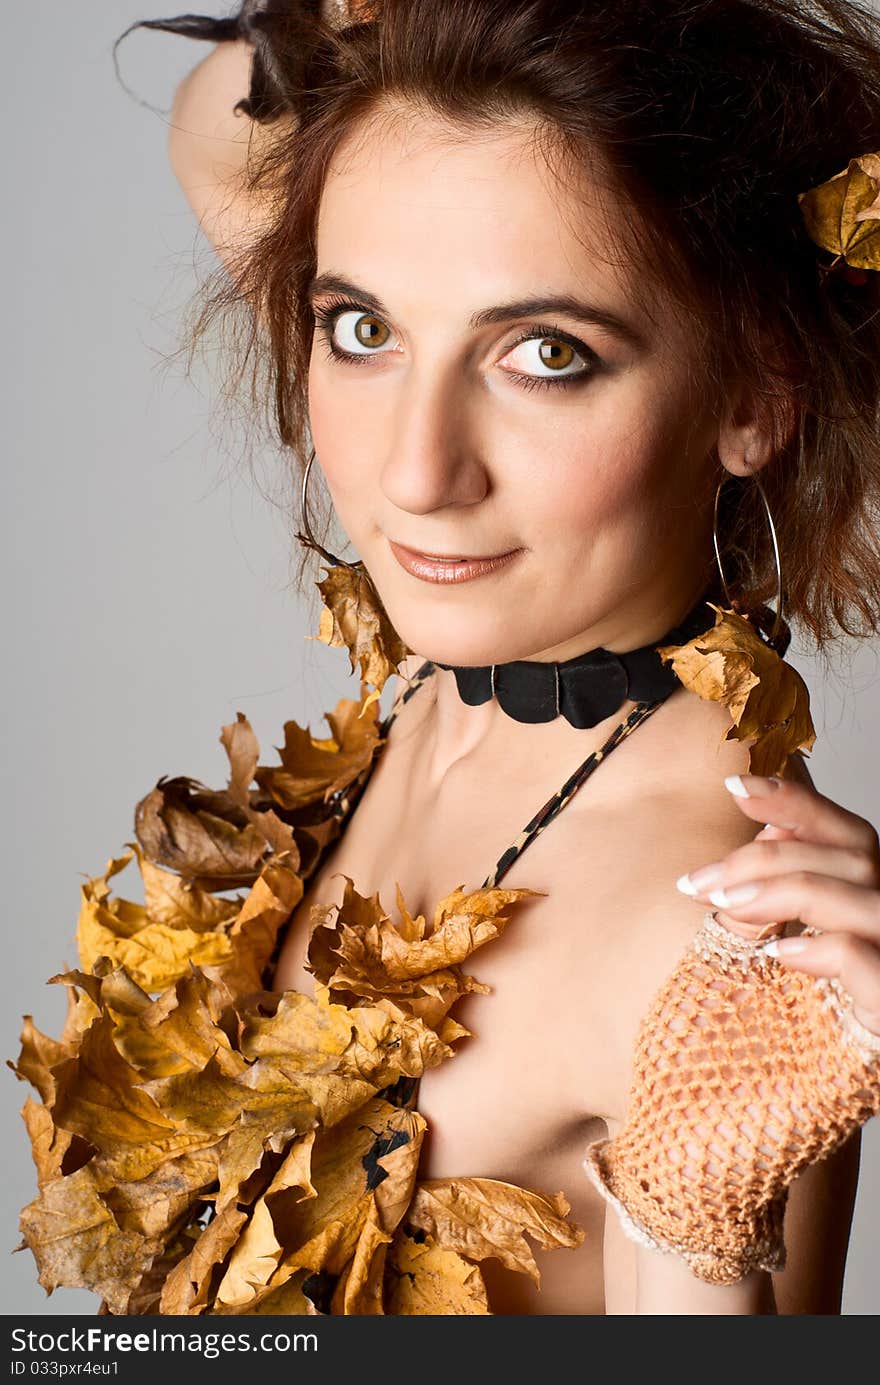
[[209, 142]]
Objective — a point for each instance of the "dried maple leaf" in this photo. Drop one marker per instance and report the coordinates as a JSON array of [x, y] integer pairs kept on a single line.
[[201, 833], [187, 1287], [257, 1250], [423, 1278], [767, 699], [353, 617], [364, 1171], [154, 953], [482, 1217], [234, 938], [207, 1146], [843, 214], [361, 954], [76, 1241], [314, 768]]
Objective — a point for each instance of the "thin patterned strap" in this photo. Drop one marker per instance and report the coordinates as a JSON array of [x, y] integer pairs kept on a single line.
[[346, 798], [420, 676], [554, 805]]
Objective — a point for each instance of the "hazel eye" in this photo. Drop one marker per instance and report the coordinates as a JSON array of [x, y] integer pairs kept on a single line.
[[546, 357], [359, 333]]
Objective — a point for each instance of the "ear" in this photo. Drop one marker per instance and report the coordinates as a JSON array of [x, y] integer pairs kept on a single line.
[[750, 433]]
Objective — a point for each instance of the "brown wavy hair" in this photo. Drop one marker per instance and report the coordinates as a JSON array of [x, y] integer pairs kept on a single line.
[[710, 118]]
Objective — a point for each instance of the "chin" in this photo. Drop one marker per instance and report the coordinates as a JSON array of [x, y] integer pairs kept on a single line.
[[463, 652]]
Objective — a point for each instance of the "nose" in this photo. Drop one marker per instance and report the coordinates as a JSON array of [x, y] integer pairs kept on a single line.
[[433, 460]]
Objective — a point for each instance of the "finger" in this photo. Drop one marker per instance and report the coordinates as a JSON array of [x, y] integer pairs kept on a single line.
[[819, 901], [854, 962], [761, 858], [801, 809]]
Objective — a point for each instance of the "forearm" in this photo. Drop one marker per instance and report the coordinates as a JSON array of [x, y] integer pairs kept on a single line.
[[204, 133]]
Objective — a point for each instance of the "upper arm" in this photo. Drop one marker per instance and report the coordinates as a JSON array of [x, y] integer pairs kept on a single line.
[[209, 146], [818, 1218]]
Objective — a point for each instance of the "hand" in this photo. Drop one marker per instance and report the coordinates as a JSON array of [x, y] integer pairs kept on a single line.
[[814, 863]]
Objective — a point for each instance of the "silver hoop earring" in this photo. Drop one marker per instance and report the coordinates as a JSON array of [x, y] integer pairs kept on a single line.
[[779, 632], [308, 538]]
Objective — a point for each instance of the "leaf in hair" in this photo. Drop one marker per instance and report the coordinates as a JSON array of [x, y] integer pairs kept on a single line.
[[842, 215]]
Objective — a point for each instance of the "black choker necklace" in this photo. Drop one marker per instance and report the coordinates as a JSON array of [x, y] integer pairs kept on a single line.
[[586, 689]]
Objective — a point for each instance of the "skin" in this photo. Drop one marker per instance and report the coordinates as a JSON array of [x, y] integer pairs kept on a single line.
[[594, 479], [607, 487]]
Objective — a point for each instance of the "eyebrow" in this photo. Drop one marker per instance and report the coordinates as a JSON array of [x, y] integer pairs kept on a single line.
[[532, 306]]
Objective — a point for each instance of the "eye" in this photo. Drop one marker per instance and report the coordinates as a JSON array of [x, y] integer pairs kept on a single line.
[[356, 333], [549, 356]]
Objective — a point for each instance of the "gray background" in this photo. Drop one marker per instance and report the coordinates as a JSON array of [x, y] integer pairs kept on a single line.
[[148, 582]]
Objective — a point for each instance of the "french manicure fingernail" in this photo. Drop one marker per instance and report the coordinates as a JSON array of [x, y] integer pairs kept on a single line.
[[784, 947], [698, 881], [736, 894], [751, 785]]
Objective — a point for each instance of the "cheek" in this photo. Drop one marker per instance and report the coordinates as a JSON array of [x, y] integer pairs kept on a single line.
[[604, 475], [339, 449]]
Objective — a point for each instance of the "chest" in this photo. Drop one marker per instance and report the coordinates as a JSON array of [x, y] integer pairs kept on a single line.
[[538, 1068]]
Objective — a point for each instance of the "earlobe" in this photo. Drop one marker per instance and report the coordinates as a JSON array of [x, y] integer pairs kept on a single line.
[[749, 438]]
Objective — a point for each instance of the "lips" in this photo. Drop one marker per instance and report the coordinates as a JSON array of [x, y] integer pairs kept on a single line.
[[449, 569]]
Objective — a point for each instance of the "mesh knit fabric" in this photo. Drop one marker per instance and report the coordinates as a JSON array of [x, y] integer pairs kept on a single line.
[[745, 1072]]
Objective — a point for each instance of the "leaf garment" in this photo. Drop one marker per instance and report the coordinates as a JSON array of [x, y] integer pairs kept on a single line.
[[206, 1145]]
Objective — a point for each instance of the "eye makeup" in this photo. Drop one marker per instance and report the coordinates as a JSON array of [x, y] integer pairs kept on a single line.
[[327, 313]]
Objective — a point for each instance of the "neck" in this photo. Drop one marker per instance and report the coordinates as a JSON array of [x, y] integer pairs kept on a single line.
[[453, 732]]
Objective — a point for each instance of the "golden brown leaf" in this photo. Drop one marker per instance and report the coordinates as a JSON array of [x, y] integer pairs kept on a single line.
[[154, 954], [150, 1206], [843, 214], [364, 1170], [312, 769], [76, 1241], [200, 833], [482, 1217], [39, 1054], [233, 938], [258, 1250], [188, 1286], [767, 699], [49, 1145], [353, 618], [423, 1278], [361, 954]]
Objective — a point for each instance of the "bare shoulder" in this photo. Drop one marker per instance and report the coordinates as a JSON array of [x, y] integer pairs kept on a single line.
[[663, 811]]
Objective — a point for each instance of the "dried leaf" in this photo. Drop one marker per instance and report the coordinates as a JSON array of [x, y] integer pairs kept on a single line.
[[49, 1145], [353, 617], [233, 938], [76, 1241], [202, 834], [423, 1278], [313, 769], [346, 1227], [766, 697], [154, 954], [258, 1250], [187, 1287], [843, 214], [39, 1054], [359, 952], [481, 1217]]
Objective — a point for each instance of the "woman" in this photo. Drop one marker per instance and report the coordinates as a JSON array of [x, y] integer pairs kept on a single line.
[[570, 238]]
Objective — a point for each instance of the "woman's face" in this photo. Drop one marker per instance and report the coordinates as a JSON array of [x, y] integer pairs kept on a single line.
[[462, 404]]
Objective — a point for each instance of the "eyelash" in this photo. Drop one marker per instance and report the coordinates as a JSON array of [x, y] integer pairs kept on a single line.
[[327, 313]]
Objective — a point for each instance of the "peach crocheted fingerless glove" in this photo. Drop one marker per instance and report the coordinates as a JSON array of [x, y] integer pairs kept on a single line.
[[745, 1072]]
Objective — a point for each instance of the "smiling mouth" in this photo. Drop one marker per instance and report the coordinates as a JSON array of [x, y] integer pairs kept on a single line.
[[454, 557], [446, 569]]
